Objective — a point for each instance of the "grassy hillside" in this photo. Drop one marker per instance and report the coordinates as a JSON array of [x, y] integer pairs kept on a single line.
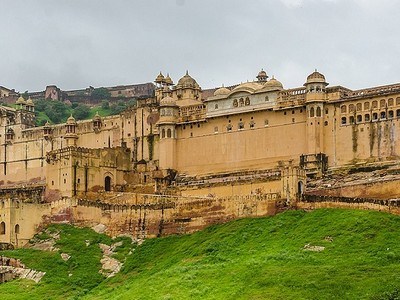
[[260, 258]]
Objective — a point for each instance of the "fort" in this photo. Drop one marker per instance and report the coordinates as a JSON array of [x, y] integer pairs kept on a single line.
[[184, 158]]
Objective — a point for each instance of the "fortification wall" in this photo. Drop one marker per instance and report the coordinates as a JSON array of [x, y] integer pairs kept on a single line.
[[318, 201], [158, 216]]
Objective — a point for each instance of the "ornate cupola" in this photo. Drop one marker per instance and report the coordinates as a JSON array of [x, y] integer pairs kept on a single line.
[[160, 79], [97, 123], [47, 131], [187, 88], [30, 106], [21, 103], [70, 131], [262, 76], [316, 83], [168, 80]]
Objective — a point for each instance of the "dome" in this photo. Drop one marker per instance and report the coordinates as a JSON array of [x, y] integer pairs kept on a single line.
[[167, 101], [168, 80], [20, 100], [29, 102], [316, 77], [248, 86], [222, 91], [187, 82], [159, 78], [71, 120], [273, 84]]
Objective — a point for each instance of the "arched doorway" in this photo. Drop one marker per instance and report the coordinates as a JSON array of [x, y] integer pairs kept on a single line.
[[2, 228], [17, 228], [107, 184], [300, 188]]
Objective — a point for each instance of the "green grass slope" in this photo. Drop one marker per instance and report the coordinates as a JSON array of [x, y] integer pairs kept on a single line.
[[264, 259], [261, 258]]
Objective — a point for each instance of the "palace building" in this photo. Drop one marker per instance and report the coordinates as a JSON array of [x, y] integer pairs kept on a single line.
[[251, 138]]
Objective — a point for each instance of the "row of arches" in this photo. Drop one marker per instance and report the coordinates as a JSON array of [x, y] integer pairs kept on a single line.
[[241, 102], [316, 112], [383, 103], [370, 117], [3, 228], [169, 133]]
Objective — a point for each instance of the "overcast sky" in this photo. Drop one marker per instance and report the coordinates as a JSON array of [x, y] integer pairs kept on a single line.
[[77, 43]]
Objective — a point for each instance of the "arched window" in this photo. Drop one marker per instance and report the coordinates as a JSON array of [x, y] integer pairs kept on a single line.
[[318, 111], [344, 120], [366, 105], [398, 113], [312, 112], [374, 116], [241, 102], [382, 103], [359, 106], [374, 104], [367, 118], [17, 228], [163, 133], [107, 183], [216, 106], [383, 115], [343, 109], [247, 101], [352, 108], [169, 133], [390, 114], [229, 127], [359, 118], [351, 119], [398, 101], [235, 103], [2, 228], [390, 102]]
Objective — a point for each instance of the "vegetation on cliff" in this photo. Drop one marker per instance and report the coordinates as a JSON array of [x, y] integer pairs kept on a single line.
[[324, 254], [56, 111]]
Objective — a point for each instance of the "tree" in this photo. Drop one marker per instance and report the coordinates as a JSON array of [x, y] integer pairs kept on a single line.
[[81, 112], [105, 104], [118, 107], [101, 93]]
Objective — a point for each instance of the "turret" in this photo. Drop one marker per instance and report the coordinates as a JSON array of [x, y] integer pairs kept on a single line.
[[262, 76], [47, 131], [169, 112], [30, 106], [70, 131], [187, 88], [316, 96], [97, 122], [21, 103]]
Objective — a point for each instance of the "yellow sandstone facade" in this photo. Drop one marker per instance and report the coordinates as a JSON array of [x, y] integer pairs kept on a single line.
[[255, 138]]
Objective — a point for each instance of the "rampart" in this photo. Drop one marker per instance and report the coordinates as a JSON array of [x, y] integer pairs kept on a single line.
[[313, 201], [153, 215]]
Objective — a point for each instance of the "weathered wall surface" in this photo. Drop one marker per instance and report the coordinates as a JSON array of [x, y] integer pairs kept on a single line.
[[318, 201], [157, 216], [372, 188]]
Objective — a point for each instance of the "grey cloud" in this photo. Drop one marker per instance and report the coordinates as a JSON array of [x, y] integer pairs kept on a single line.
[[78, 43]]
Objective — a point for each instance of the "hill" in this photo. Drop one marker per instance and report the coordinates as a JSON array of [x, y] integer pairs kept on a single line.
[[324, 254]]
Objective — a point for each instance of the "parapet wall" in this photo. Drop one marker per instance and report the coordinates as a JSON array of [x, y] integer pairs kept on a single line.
[[312, 201], [153, 215]]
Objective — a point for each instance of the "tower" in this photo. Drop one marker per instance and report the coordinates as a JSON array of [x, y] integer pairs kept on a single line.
[[315, 161], [166, 127]]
